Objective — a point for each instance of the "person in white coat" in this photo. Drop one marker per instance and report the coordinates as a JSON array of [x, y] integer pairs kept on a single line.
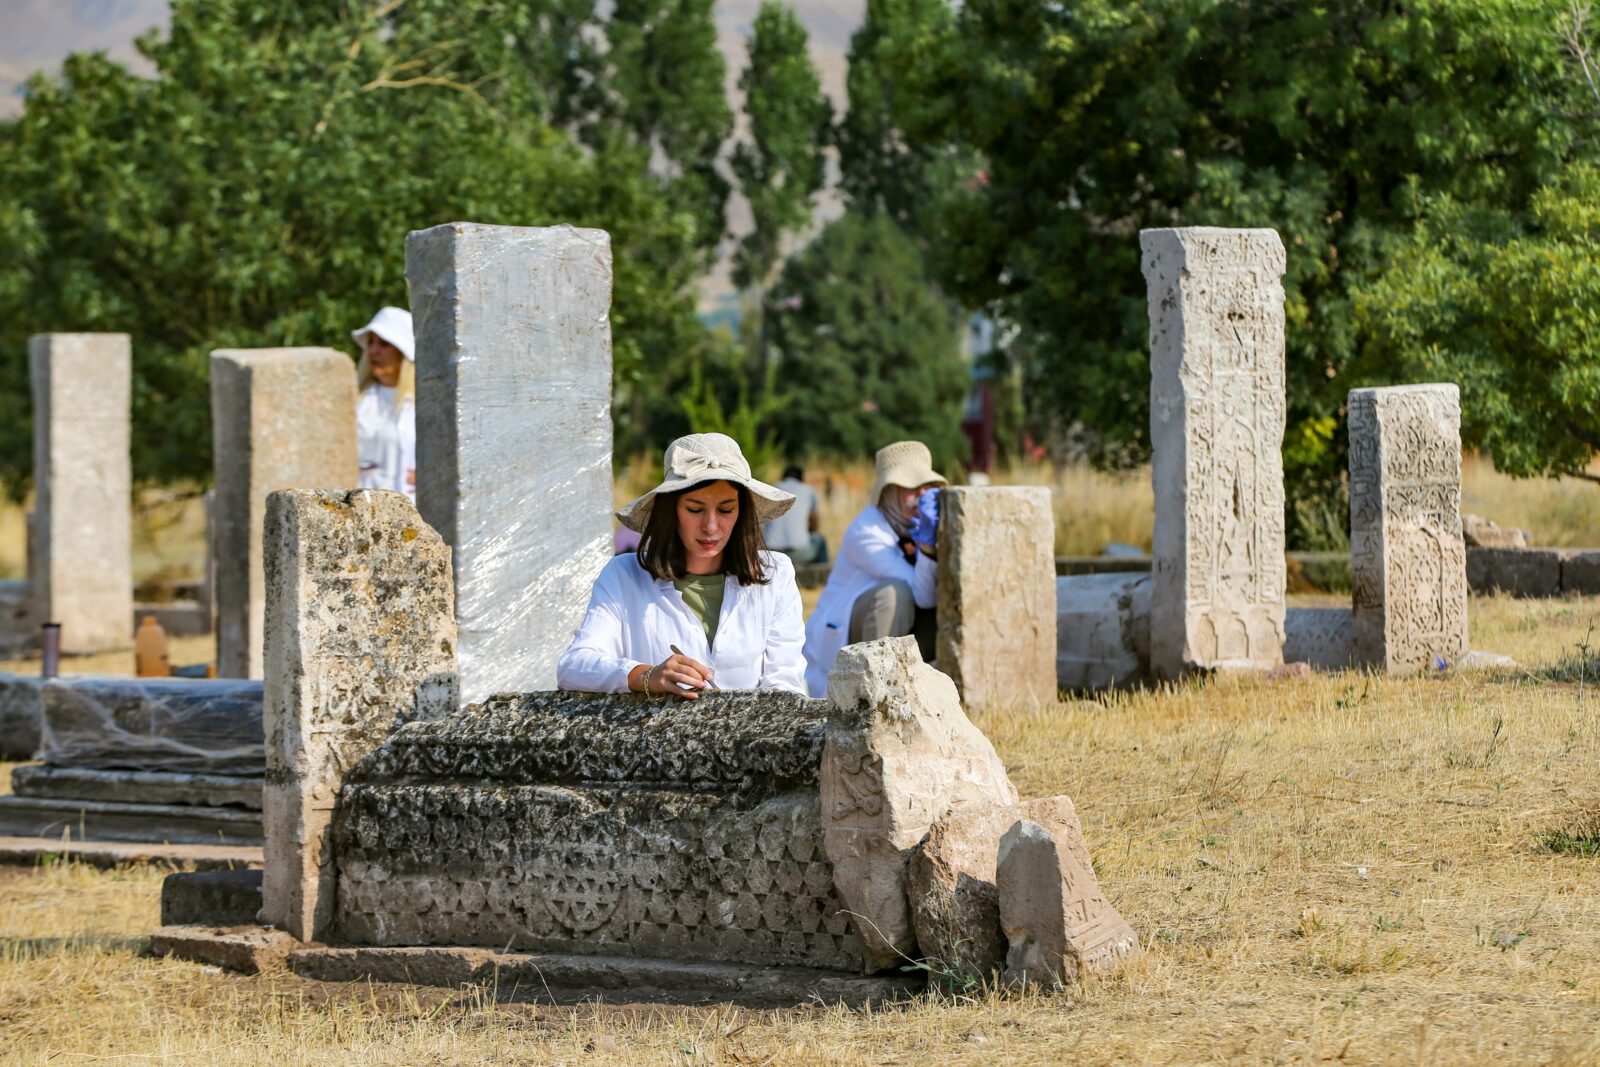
[[701, 604], [883, 576], [386, 411]]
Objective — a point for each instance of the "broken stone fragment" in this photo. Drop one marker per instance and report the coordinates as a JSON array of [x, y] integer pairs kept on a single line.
[[955, 905], [899, 754], [1058, 924]]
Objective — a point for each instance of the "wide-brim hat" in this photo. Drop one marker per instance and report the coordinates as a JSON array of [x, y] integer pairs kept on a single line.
[[907, 464], [700, 458], [394, 326]]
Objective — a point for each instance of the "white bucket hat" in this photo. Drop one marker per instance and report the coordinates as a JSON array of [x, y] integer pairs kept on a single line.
[[394, 326], [700, 458], [907, 464]]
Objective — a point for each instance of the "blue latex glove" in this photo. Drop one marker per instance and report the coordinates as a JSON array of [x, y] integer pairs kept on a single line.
[[925, 526]]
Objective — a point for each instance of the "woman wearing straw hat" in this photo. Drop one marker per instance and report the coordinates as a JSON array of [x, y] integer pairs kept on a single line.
[[701, 604], [386, 416], [883, 571]]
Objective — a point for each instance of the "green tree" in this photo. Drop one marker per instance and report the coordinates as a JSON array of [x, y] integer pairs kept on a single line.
[[868, 352], [258, 190], [1326, 121], [780, 165]]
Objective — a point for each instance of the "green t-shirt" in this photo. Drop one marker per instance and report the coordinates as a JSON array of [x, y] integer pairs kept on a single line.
[[702, 594]]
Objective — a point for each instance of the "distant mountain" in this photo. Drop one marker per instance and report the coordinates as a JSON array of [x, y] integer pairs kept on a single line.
[[39, 33]]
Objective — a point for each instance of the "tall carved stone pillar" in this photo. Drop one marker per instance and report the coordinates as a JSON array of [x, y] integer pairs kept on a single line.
[[360, 636], [1407, 560], [514, 434], [1216, 427]]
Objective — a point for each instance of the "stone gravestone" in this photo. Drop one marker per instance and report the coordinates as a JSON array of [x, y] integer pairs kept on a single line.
[[514, 435], [82, 578], [1407, 559], [281, 418], [360, 635], [997, 594], [1216, 428]]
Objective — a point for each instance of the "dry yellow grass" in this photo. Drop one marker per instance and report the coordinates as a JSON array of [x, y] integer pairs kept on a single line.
[[1344, 868]]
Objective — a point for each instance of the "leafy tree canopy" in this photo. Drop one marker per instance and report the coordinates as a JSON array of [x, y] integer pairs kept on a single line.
[[257, 191], [868, 351], [1328, 122]]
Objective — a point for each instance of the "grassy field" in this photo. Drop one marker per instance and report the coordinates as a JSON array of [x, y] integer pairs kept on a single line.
[[1342, 868]]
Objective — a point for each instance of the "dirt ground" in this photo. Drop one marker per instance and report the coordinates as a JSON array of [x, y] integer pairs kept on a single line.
[[1341, 868]]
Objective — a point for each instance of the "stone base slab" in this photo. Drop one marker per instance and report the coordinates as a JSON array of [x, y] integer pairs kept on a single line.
[[137, 787], [566, 979], [220, 897], [1322, 637], [32, 851], [246, 949], [98, 820]]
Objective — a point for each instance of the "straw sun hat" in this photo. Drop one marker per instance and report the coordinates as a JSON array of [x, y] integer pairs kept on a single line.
[[394, 326], [706, 457], [907, 464]]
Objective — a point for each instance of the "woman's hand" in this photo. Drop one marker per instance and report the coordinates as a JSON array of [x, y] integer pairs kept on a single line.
[[670, 677]]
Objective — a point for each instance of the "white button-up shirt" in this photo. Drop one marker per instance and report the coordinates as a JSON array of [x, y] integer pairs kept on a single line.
[[869, 553], [386, 440], [633, 618]]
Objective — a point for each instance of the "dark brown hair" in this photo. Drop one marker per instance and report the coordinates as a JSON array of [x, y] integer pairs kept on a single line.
[[661, 549]]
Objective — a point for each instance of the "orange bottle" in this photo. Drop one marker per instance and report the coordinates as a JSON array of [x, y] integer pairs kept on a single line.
[[150, 650]]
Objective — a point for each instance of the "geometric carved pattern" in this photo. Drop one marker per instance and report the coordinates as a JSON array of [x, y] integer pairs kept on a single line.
[[1217, 410], [621, 872], [1407, 558]]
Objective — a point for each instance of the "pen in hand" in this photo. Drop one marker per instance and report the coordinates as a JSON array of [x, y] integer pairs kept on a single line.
[[709, 683]]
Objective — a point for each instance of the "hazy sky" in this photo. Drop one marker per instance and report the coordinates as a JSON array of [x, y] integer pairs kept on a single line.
[[40, 32]]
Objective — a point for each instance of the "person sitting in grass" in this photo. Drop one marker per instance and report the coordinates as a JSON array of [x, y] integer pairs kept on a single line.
[[882, 582], [701, 604]]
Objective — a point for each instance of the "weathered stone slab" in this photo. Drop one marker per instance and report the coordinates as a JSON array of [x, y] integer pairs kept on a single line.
[[1479, 532], [1407, 559], [360, 636], [590, 824], [282, 418], [1319, 636], [32, 851], [1524, 572], [247, 949], [1580, 573], [21, 711], [955, 905], [1058, 924], [136, 787], [1102, 630], [178, 725], [997, 603], [104, 820], [513, 399], [83, 483], [223, 898], [899, 754], [1216, 428], [565, 979]]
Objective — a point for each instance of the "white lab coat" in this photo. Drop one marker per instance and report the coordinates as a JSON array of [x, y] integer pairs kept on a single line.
[[386, 440], [634, 618], [869, 553]]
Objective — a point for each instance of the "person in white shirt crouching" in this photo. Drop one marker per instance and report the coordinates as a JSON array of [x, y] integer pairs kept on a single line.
[[701, 604], [884, 575]]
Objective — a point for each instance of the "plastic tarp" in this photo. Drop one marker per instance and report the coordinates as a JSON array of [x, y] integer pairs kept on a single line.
[[198, 726]]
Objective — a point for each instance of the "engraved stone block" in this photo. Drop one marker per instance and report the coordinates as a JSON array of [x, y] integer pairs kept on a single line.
[[281, 418], [1320, 637], [1407, 558], [82, 531], [1216, 429], [514, 435], [360, 620], [899, 754], [1058, 924], [178, 725], [997, 594]]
